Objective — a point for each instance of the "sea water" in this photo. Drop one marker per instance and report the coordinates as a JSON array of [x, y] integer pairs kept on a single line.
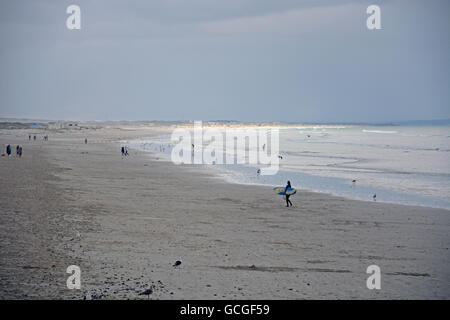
[[400, 164]]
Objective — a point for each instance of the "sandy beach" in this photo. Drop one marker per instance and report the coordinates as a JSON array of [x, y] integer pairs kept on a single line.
[[125, 220]]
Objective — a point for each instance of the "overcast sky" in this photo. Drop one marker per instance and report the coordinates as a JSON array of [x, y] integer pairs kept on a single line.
[[249, 60]]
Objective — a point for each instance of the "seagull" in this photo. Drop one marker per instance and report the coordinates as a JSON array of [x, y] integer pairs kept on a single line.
[[177, 263], [374, 197], [147, 293]]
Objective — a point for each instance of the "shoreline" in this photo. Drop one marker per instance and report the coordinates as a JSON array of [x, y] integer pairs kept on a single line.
[[218, 172], [225, 174], [235, 241]]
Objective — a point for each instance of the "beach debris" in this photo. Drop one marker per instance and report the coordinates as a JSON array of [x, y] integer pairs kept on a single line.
[[177, 263]]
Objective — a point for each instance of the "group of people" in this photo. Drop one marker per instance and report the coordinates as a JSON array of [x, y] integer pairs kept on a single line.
[[34, 137], [124, 151], [18, 150]]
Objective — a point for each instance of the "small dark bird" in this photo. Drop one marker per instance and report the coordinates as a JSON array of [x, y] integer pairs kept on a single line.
[[374, 197], [147, 292], [177, 263], [353, 181]]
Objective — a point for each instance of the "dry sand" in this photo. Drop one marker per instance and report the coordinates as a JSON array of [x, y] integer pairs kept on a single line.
[[137, 215]]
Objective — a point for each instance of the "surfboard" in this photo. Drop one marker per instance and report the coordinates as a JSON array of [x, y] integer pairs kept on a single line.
[[280, 191]]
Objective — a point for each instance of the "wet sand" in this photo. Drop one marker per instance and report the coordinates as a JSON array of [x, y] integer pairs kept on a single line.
[[136, 215]]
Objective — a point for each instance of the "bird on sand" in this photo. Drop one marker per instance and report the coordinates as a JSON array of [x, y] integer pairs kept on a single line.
[[147, 292], [177, 263]]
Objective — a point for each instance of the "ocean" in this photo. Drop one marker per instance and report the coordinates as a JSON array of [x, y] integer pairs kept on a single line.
[[400, 164]]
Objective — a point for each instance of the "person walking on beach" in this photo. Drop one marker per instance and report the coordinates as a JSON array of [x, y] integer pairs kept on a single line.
[[8, 149], [20, 152], [288, 202], [123, 151]]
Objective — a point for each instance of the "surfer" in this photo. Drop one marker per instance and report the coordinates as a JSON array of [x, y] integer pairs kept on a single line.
[[287, 195]]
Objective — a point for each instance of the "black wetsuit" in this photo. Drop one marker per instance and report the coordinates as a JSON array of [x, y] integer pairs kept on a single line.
[[288, 202]]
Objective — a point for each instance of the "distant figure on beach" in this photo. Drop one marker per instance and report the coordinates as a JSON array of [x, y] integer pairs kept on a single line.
[[258, 172], [34, 138], [374, 197], [20, 152], [264, 147], [85, 140], [288, 202], [8, 149], [126, 151], [29, 137], [123, 151]]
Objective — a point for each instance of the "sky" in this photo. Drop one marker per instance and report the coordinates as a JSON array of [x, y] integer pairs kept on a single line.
[[246, 60]]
